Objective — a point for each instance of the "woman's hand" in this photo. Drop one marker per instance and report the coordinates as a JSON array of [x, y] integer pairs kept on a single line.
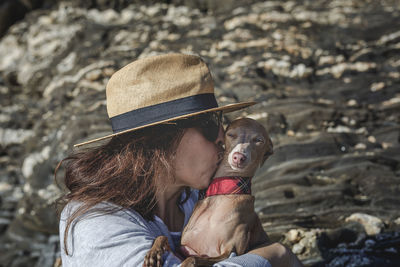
[[278, 255]]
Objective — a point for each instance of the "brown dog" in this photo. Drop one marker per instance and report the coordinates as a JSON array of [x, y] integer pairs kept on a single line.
[[225, 220]]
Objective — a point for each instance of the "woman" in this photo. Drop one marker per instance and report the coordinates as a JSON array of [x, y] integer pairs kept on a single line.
[[143, 182]]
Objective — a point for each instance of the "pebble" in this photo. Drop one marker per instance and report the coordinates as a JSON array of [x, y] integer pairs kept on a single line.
[[386, 145], [293, 235], [377, 86], [347, 80], [339, 129], [360, 146], [94, 75], [290, 133], [372, 139], [393, 101], [108, 71], [352, 103]]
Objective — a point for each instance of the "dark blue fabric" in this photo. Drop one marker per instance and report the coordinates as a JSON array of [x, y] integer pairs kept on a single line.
[[164, 111]]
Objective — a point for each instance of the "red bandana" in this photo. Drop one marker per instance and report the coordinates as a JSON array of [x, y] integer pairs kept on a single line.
[[228, 186]]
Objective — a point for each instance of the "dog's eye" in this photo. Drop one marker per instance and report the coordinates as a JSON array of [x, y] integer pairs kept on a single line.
[[258, 140], [231, 135]]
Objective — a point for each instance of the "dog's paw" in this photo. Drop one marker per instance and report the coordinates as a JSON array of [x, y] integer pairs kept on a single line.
[[153, 258]]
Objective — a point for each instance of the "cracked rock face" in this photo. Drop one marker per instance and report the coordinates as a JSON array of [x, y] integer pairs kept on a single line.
[[326, 76]]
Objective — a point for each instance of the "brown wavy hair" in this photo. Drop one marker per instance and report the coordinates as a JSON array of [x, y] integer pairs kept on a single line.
[[127, 171]]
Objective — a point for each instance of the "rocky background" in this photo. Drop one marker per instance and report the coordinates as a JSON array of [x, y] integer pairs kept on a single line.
[[326, 75]]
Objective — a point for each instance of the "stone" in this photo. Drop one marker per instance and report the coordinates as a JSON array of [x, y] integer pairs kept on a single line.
[[14, 136], [67, 63], [352, 103], [284, 68], [360, 146], [94, 75], [298, 248], [372, 225], [5, 187], [377, 86], [33, 160], [339, 69]]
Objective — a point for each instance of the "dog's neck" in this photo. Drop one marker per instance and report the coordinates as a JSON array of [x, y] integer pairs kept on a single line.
[[228, 185]]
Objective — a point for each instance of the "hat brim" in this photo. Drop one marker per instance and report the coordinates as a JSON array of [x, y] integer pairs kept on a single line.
[[225, 109]]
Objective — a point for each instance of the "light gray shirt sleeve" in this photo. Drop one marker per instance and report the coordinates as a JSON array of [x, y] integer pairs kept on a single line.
[[123, 238], [106, 240]]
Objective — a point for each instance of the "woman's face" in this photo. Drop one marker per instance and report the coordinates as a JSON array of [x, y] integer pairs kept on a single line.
[[197, 159]]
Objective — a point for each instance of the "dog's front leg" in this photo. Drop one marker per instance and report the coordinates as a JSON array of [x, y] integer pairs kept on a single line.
[[258, 236]]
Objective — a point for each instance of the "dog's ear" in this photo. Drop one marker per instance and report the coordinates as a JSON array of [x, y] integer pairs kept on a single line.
[[269, 151], [266, 155]]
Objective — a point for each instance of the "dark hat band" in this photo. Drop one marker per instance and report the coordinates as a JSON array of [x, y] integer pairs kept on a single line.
[[163, 111]]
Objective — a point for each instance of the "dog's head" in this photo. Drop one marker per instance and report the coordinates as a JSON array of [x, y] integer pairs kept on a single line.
[[247, 146]]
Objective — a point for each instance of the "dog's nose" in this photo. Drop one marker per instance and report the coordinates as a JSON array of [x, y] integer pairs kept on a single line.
[[238, 158]]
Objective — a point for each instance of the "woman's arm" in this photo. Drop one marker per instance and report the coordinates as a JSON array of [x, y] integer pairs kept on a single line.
[[246, 260], [278, 255]]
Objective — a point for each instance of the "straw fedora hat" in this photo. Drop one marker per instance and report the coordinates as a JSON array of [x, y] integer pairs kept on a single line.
[[160, 89]]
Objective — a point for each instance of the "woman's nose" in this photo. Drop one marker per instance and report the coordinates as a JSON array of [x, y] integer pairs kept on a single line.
[[221, 137]]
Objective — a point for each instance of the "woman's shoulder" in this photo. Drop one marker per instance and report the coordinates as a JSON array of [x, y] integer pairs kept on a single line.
[[105, 222], [102, 213]]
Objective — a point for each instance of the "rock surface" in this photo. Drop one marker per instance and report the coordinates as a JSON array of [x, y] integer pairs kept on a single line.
[[372, 225], [326, 76]]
